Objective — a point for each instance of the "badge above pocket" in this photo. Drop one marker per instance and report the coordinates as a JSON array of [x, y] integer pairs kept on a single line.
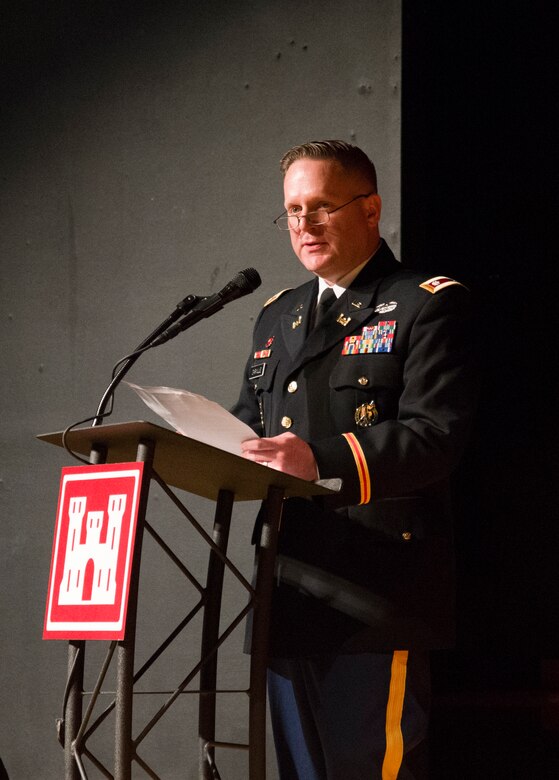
[[372, 339]]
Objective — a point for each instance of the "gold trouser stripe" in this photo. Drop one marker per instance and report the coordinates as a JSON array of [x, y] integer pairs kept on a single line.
[[394, 739], [362, 468]]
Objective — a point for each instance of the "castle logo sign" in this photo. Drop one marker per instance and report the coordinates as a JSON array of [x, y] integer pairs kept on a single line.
[[92, 551]]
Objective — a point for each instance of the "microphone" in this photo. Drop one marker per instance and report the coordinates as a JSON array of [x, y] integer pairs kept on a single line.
[[194, 309], [242, 284]]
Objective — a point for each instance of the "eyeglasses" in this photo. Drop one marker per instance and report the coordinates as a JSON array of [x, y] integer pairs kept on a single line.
[[319, 217]]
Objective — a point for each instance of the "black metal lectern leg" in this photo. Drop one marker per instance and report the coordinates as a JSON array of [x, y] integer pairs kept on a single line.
[[72, 717], [73, 703], [261, 601], [210, 634], [260, 633], [125, 649]]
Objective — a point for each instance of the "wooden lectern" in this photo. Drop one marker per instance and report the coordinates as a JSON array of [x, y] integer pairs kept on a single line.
[[176, 461]]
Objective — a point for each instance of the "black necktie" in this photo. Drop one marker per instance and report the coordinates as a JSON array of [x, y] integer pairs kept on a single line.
[[326, 300]]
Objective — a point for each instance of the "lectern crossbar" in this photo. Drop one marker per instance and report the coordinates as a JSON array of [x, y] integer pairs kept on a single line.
[[139, 674], [191, 675], [205, 536]]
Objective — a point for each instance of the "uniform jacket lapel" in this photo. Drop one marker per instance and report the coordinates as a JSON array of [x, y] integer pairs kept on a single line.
[[354, 308], [295, 323]]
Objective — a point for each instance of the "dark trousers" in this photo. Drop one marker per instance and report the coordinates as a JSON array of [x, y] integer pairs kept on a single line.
[[351, 717]]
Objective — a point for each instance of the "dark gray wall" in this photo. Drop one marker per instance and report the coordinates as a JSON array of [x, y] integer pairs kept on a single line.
[[139, 155]]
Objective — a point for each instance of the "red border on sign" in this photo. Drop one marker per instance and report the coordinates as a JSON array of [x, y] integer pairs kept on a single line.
[[92, 551]]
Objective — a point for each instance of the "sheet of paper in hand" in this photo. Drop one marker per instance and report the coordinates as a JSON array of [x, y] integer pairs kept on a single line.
[[196, 417]]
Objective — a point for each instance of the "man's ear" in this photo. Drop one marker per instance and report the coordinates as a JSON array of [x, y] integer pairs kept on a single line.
[[374, 209]]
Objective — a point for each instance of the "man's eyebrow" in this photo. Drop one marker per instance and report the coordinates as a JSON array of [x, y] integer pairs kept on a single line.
[[318, 202]]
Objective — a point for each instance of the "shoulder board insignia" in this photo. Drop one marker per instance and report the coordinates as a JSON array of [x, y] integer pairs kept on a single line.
[[276, 296], [437, 283]]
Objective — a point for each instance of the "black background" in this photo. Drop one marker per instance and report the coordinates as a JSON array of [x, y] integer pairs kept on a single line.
[[479, 200]]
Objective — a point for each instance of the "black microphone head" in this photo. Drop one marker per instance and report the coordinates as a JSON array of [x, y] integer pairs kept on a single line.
[[243, 283], [248, 279]]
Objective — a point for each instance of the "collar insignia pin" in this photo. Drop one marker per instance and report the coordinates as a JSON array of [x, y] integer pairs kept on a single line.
[[343, 320]]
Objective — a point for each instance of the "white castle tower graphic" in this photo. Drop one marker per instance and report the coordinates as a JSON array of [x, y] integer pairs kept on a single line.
[[89, 568]]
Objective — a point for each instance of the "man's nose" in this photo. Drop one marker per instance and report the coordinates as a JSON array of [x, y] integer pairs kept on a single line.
[[308, 225]]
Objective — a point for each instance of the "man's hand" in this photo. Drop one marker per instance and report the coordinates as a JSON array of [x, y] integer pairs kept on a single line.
[[285, 452]]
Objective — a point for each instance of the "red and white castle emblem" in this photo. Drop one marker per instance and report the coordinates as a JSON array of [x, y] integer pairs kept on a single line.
[[92, 552]]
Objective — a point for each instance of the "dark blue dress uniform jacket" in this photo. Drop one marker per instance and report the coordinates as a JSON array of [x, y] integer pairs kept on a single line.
[[370, 569]]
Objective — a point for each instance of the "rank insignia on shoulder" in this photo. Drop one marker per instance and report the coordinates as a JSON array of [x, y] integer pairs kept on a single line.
[[373, 338], [366, 415], [437, 283], [276, 296]]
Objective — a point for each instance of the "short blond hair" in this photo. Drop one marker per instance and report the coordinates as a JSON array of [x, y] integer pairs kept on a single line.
[[351, 158]]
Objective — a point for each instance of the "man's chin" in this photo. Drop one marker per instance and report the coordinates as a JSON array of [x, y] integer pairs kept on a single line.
[[316, 264]]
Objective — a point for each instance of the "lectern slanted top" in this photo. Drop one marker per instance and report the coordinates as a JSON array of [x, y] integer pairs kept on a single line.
[[186, 463]]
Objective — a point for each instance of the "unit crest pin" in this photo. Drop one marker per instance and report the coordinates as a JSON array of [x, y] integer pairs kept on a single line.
[[366, 415]]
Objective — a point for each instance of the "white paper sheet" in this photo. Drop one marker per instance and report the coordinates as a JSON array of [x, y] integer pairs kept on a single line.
[[196, 417]]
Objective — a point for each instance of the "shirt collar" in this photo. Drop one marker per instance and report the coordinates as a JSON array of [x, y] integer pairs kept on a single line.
[[346, 280]]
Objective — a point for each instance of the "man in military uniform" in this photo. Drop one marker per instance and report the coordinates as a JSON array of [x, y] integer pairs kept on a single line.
[[374, 386]]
